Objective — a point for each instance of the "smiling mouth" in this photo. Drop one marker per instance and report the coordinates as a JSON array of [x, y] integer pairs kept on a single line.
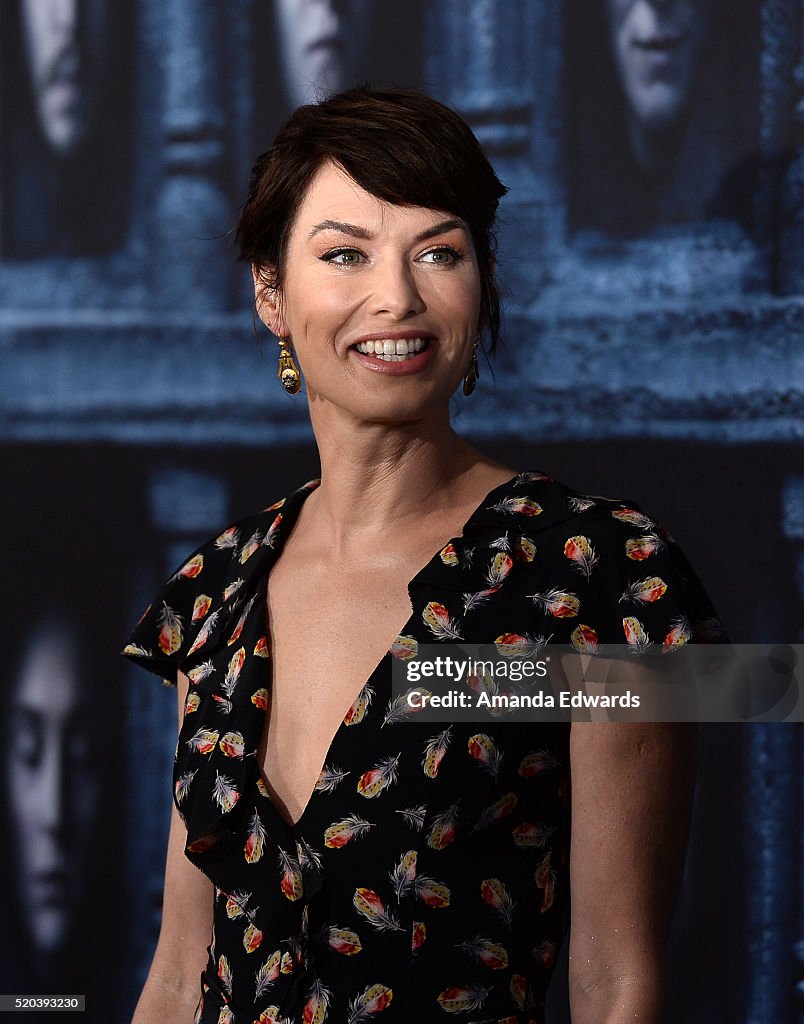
[[391, 351]]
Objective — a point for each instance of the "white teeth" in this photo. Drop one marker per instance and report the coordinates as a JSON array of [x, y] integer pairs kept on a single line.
[[393, 351]]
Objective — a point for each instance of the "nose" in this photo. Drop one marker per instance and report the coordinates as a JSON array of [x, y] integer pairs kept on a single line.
[[396, 293], [52, 786], [329, 15]]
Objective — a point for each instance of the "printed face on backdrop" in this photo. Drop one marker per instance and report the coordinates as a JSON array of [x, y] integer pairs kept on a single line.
[[656, 45], [381, 302], [64, 45], [321, 43], [53, 788]]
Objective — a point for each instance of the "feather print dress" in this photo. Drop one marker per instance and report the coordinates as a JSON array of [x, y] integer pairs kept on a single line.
[[427, 877]]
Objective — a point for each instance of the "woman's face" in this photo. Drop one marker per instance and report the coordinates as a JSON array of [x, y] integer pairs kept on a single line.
[[65, 41], [321, 43], [656, 45], [52, 783], [360, 270]]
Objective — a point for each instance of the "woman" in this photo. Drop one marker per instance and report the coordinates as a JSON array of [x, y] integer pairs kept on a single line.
[[663, 107], [59, 812], [66, 75], [308, 48], [355, 863]]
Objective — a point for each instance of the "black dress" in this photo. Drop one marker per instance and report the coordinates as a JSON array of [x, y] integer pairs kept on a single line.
[[427, 878]]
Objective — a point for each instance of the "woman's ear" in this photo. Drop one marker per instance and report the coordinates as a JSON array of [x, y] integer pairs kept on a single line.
[[267, 299]]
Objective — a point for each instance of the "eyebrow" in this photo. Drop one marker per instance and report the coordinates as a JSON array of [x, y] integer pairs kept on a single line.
[[357, 232]]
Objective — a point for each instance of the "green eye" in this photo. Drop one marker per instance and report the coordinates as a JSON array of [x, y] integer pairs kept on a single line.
[[342, 257], [443, 257]]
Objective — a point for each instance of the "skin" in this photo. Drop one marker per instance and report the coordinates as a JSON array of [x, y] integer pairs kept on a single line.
[[64, 42], [52, 785], [397, 482], [320, 42], [656, 46], [171, 991], [339, 287]]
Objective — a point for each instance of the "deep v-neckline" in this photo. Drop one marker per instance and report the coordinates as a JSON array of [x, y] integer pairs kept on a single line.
[[287, 526]]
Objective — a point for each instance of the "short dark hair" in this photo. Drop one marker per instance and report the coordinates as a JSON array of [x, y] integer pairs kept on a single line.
[[401, 146]]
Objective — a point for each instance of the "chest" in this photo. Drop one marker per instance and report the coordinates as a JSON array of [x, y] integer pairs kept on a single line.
[[327, 633]]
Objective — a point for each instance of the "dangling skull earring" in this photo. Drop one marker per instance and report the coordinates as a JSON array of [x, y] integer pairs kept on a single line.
[[288, 371], [472, 374]]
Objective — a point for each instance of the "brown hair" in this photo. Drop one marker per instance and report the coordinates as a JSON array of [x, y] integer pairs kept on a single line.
[[400, 145]]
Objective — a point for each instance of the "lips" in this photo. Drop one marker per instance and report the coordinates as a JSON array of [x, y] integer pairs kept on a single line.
[[659, 44], [393, 350], [326, 43], [390, 342], [50, 886]]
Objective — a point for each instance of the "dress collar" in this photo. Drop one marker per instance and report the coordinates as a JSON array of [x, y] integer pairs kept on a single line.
[[520, 507]]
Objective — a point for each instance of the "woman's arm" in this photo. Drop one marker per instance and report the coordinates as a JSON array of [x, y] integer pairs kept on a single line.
[[632, 786], [173, 988]]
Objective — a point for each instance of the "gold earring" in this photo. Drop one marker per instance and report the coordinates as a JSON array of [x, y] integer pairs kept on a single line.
[[472, 374], [288, 371]]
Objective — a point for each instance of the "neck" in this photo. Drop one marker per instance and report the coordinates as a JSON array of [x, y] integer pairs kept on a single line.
[[655, 150], [376, 477]]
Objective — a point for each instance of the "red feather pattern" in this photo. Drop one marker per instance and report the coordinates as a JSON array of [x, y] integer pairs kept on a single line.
[[642, 547], [483, 749], [529, 833], [634, 518], [500, 566], [636, 635], [201, 606], [492, 954], [645, 591], [373, 782], [444, 828], [516, 645], [171, 629], [436, 827], [434, 752], [462, 1000], [272, 534], [580, 552], [561, 604], [679, 633], [545, 878], [371, 1001], [438, 620], [536, 762], [343, 940], [585, 639], [495, 812], [374, 910], [498, 898], [204, 633]]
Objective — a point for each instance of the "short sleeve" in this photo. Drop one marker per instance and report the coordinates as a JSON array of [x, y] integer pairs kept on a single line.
[[639, 587], [161, 639]]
